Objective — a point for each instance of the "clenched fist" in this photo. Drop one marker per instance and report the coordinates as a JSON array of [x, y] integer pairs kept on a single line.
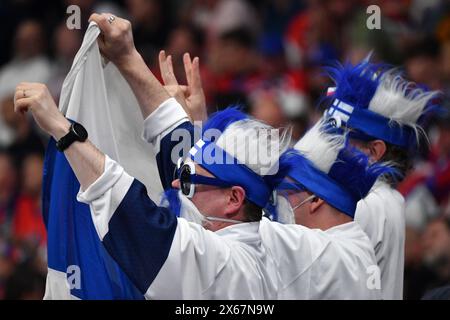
[[116, 40], [36, 98]]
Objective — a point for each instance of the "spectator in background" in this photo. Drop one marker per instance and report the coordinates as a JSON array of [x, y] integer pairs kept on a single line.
[[184, 38], [264, 106], [29, 62], [277, 14], [427, 192], [23, 263], [422, 63], [316, 35], [427, 187], [28, 225], [151, 25], [217, 17], [389, 42], [8, 192], [66, 44], [427, 15], [417, 276], [283, 103], [25, 282], [445, 66], [26, 140], [8, 201], [7, 263], [233, 68], [436, 240], [438, 181]]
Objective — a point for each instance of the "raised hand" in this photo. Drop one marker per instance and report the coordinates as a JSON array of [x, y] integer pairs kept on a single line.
[[191, 97], [36, 98], [116, 40]]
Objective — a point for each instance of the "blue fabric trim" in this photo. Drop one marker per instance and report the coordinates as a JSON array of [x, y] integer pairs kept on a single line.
[[166, 167], [287, 185], [140, 236], [230, 170], [197, 179], [374, 125], [171, 200], [380, 127], [323, 186]]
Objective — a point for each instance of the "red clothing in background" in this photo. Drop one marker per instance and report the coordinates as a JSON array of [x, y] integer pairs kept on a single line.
[[28, 223]]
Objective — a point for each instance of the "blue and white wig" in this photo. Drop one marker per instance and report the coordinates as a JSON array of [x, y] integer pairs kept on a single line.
[[230, 149], [377, 103], [331, 169]]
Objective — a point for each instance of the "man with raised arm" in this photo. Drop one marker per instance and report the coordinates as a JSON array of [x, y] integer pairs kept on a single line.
[[166, 256]]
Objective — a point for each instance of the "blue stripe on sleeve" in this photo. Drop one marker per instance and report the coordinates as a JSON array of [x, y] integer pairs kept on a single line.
[[166, 165], [140, 236]]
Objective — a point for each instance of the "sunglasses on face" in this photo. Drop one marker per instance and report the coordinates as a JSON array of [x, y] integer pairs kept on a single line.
[[189, 179]]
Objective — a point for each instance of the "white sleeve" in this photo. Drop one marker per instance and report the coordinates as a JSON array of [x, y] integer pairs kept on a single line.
[[169, 115], [195, 260], [165, 257], [294, 248], [105, 194]]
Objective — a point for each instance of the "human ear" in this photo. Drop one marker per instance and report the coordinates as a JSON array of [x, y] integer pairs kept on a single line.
[[377, 150], [235, 201], [316, 203]]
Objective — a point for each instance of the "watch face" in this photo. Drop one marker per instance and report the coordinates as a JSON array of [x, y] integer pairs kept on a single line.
[[80, 131]]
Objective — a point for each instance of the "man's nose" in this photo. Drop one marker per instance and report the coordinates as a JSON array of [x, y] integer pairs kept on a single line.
[[176, 184]]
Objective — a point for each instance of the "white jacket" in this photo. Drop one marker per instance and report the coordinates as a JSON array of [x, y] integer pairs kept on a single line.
[[381, 214], [338, 263], [170, 258], [310, 264]]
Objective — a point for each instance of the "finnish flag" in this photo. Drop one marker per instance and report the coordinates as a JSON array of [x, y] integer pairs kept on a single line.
[[340, 110], [97, 96]]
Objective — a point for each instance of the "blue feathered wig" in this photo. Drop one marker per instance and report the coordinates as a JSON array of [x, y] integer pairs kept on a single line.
[[232, 125], [375, 102], [326, 165]]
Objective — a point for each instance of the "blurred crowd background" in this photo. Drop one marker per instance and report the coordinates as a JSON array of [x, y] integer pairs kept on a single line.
[[266, 55]]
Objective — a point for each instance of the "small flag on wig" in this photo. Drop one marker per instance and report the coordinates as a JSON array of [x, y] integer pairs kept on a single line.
[[331, 91]]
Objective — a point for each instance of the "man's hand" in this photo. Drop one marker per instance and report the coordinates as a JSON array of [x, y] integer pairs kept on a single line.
[[36, 98], [116, 44], [191, 97], [85, 159], [116, 40]]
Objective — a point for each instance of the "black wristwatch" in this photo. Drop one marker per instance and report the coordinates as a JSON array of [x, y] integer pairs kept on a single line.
[[76, 133]]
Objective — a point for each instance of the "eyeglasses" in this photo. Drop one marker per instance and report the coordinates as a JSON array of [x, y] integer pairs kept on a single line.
[[286, 187], [310, 198], [188, 179]]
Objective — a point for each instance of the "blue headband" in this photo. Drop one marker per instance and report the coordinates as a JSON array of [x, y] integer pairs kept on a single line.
[[371, 123], [227, 168], [323, 186]]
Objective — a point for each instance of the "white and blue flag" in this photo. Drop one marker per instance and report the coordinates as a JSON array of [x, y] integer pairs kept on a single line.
[[97, 96]]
